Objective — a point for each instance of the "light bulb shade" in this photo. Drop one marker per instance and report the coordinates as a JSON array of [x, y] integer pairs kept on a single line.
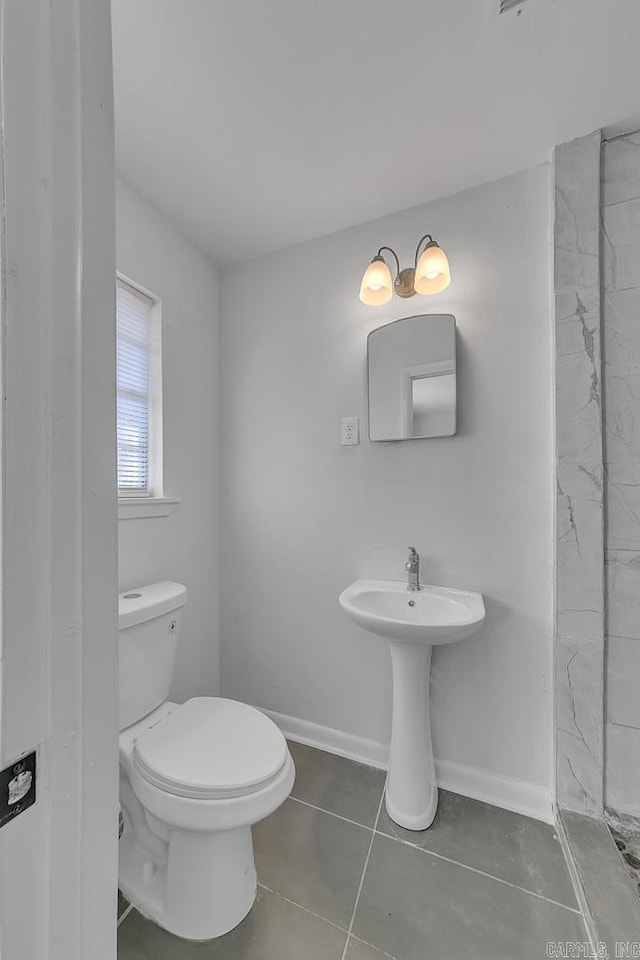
[[377, 286], [432, 270]]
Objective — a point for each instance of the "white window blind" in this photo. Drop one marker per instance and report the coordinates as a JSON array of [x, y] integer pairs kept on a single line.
[[133, 371]]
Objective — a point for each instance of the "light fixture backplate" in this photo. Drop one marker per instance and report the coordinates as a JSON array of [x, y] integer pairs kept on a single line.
[[403, 284]]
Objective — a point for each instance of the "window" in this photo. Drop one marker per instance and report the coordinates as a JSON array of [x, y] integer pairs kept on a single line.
[[139, 391]]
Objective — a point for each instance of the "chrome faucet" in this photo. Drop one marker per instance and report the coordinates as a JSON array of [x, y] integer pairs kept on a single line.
[[412, 566]]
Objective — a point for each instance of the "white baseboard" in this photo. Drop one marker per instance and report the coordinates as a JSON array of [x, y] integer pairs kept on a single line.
[[333, 741], [521, 796], [530, 799]]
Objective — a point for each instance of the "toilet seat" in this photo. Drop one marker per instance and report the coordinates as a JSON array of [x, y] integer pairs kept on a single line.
[[211, 748]]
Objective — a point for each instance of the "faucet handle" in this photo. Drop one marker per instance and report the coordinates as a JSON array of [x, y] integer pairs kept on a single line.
[[413, 552]]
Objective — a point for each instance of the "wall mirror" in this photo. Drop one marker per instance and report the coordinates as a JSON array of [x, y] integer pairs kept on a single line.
[[412, 378]]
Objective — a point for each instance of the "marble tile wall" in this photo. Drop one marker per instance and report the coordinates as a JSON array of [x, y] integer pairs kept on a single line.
[[579, 660], [597, 303], [621, 356]]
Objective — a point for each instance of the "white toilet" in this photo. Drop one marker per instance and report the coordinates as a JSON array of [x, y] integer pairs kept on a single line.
[[193, 778]]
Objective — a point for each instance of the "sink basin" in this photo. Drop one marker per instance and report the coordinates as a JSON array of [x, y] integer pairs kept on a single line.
[[413, 621], [429, 615]]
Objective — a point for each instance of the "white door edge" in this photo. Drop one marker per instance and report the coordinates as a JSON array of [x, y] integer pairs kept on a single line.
[[58, 688]]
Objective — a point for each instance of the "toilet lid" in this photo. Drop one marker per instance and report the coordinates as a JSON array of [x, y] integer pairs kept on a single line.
[[211, 748]]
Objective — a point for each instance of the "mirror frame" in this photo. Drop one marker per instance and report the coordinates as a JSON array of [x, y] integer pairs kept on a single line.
[[414, 316]]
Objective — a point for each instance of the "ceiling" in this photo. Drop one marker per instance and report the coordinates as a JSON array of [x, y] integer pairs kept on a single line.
[[258, 124]]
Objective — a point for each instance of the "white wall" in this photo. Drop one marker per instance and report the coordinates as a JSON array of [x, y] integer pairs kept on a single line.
[[185, 545], [303, 516]]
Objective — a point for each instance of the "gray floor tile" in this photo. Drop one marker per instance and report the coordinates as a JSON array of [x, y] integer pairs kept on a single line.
[[357, 950], [313, 858], [417, 906], [274, 930], [123, 903], [333, 783], [507, 845]]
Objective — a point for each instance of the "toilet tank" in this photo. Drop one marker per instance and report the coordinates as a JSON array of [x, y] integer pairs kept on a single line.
[[149, 625]]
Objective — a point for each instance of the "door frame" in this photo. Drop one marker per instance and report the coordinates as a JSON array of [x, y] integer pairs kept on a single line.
[[58, 666]]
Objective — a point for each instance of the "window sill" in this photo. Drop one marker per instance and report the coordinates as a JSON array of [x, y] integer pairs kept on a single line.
[[138, 508]]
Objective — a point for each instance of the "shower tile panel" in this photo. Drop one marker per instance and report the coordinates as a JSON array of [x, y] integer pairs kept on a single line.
[[579, 723], [621, 179], [622, 771], [623, 593], [621, 245], [621, 321], [579, 475], [623, 682]]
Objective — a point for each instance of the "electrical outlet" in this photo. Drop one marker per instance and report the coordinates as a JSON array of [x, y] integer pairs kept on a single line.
[[350, 431]]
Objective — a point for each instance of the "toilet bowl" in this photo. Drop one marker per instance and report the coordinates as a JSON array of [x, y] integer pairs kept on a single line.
[[194, 777]]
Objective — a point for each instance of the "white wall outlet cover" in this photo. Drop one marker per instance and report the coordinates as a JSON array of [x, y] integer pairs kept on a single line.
[[349, 431]]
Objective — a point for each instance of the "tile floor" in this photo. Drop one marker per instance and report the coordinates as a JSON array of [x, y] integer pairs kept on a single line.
[[626, 834], [340, 881]]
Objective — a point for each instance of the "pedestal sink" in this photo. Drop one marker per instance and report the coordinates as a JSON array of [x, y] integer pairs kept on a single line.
[[412, 622]]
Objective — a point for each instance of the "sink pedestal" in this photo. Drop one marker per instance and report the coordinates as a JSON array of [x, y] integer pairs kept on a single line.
[[412, 621], [412, 791]]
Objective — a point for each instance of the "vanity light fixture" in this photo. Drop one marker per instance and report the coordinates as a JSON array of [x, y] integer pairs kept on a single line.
[[429, 274]]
